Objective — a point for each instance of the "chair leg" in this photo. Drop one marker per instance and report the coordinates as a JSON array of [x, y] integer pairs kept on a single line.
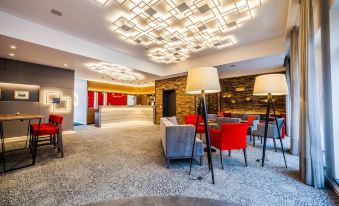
[[245, 156], [34, 147], [229, 153], [275, 145], [54, 140], [222, 162], [253, 141], [260, 139], [201, 160], [167, 163], [250, 137], [60, 145]]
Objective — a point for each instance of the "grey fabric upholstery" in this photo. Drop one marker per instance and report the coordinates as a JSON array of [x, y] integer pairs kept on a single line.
[[173, 119], [244, 116], [272, 131], [212, 117], [253, 127], [221, 120], [177, 141]]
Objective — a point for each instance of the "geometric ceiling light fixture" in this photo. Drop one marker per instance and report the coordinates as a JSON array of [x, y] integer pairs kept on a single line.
[[172, 30], [117, 72], [101, 2]]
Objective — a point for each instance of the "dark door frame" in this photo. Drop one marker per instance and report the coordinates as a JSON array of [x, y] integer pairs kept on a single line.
[[165, 100]]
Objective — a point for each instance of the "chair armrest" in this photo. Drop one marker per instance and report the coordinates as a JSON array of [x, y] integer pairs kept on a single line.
[[179, 141]]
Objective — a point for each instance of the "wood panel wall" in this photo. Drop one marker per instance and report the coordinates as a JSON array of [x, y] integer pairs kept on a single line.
[[107, 87]]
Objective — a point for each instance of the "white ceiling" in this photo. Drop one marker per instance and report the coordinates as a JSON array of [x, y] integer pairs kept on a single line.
[[88, 21], [28, 52], [91, 21], [253, 66]]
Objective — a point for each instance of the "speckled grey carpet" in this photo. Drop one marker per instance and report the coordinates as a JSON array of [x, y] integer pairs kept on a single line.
[[164, 201], [128, 161]]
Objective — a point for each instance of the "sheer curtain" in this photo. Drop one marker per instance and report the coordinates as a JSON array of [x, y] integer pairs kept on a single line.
[[294, 92], [310, 154]]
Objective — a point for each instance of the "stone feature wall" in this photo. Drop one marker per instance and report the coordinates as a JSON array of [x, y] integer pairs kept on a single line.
[[237, 97], [184, 102]]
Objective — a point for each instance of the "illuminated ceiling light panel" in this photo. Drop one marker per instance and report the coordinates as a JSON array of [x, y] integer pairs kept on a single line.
[[172, 30], [101, 2], [117, 72]]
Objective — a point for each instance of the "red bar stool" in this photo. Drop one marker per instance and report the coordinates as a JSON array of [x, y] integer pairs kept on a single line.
[[47, 134], [50, 123]]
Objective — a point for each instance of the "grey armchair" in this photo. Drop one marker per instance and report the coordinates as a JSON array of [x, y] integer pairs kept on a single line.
[[252, 127], [272, 131], [221, 120], [212, 117]]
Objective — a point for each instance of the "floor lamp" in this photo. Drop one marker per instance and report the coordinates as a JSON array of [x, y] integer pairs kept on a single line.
[[201, 81], [270, 85]]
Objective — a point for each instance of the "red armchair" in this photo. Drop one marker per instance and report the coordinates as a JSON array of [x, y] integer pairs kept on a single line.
[[231, 136], [250, 119], [192, 119]]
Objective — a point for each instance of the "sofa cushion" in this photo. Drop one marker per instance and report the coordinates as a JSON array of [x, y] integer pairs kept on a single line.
[[173, 120]]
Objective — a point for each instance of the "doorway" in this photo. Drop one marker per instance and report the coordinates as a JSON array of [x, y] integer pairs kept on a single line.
[[168, 103]]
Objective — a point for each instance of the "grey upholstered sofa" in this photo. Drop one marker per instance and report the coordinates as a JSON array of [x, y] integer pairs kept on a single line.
[[177, 140]]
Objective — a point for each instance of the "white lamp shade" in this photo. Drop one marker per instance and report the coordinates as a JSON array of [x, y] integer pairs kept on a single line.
[[203, 78], [274, 84]]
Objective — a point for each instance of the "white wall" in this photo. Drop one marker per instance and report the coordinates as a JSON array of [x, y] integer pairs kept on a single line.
[[334, 27], [80, 101]]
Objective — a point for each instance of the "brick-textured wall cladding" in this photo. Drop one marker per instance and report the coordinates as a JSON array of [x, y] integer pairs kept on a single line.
[[237, 96], [184, 102]]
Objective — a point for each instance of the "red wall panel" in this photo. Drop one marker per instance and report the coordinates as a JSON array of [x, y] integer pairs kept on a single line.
[[90, 99], [100, 98], [116, 99]]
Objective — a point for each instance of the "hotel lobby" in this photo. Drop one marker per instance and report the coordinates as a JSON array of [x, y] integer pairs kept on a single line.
[[178, 102]]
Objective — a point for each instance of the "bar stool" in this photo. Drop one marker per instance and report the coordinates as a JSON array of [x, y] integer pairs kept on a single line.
[[47, 134]]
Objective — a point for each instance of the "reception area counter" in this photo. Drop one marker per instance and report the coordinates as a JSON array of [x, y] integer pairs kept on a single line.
[[110, 115]]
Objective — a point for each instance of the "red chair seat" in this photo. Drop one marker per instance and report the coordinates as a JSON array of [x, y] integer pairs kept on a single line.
[[46, 130], [42, 125]]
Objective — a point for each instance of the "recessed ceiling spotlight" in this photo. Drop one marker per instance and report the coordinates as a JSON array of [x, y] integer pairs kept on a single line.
[[12, 46], [56, 12], [65, 65], [11, 54]]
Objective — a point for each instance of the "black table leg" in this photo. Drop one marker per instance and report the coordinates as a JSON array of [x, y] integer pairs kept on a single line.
[[35, 143], [28, 131], [2, 146]]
